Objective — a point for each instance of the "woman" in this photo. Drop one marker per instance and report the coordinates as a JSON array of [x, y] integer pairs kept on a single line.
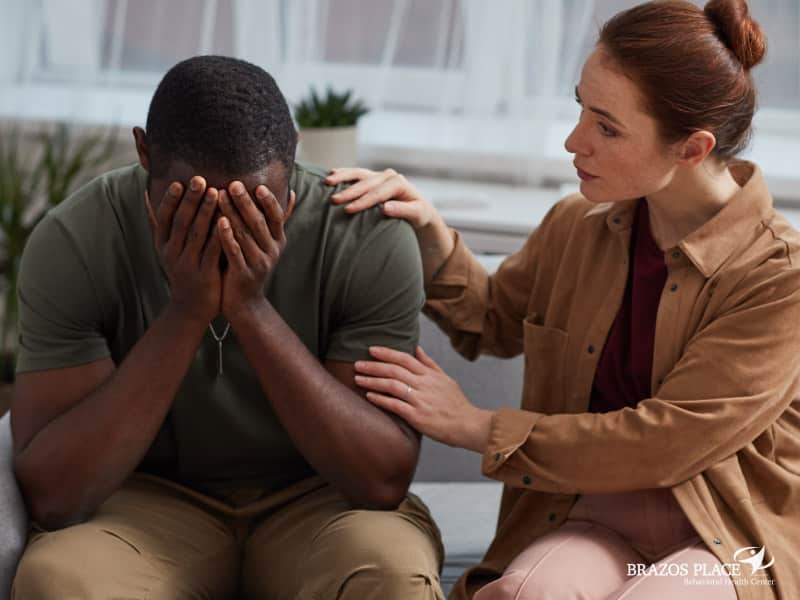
[[657, 451]]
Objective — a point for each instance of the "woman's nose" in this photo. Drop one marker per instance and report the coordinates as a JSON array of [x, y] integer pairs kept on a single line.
[[576, 142]]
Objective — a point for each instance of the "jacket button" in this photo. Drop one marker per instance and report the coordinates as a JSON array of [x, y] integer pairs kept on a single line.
[[717, 541], [590, 349], [526, 480], [673, 287]]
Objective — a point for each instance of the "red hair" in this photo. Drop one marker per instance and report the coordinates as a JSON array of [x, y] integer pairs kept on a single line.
[[692, 66]]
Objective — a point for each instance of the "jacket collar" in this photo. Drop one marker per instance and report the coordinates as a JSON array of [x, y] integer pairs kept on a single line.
[[714, 241]]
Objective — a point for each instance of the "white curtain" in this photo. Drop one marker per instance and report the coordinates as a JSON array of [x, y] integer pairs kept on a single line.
[[491, 78]]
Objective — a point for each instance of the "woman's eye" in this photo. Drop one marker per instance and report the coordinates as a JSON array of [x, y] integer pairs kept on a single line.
[[606, 130]]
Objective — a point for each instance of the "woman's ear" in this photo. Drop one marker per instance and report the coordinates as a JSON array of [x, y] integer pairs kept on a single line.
[[696, 148], [140, 139]]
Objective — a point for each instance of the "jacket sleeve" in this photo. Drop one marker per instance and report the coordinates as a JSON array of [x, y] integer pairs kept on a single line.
[[735, 378], [484, 313]]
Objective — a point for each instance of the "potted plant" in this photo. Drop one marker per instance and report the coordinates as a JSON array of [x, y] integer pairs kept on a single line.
[[30, 184], [328, 128]]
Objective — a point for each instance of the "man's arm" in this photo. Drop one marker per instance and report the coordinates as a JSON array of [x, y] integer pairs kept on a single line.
[[362, 451], [79, 432], [357, 447]]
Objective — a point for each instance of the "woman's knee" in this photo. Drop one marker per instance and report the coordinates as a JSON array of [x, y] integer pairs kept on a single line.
[[580, 559]]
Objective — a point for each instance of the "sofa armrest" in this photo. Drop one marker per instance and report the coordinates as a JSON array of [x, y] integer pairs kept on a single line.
[[13, 517]]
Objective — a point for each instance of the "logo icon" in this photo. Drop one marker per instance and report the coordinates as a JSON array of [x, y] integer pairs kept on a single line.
[[755, 557]]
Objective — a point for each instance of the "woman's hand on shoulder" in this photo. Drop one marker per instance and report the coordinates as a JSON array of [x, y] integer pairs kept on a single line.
[[398, 197]]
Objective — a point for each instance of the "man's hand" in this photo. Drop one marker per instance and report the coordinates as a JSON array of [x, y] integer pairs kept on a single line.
[[252, 237], [188, 255]]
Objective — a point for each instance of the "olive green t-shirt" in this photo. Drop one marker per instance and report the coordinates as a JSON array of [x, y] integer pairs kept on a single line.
[[90, 285]]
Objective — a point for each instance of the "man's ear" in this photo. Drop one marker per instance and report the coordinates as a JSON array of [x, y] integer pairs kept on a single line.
[[290, 206], [140, 139], [696, 148]]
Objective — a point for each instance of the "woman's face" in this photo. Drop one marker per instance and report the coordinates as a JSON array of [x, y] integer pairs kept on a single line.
[[618, 153]]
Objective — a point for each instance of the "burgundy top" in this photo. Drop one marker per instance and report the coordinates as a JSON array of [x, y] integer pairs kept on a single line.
[[623, 373]]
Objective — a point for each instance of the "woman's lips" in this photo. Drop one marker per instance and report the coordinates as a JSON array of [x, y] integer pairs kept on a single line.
[[584, 175]]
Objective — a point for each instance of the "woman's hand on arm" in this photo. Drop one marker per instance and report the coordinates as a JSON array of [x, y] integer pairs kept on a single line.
[[401, 200], [421, 393]]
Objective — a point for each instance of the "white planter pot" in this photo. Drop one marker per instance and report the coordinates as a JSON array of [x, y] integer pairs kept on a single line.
[[328, 147]]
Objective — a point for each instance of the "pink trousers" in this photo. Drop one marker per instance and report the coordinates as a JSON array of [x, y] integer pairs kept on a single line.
[[633, 546]]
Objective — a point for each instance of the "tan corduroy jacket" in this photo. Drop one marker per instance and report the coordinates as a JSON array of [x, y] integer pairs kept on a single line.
[[722, 429]]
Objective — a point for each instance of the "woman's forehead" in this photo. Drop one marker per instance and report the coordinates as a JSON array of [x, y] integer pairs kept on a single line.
[[604, 85]]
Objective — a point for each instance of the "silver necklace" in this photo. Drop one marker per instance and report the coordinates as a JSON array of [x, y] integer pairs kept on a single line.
[[219, 339]]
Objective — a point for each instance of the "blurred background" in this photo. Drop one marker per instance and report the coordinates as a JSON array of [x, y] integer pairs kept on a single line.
[[455, 87]]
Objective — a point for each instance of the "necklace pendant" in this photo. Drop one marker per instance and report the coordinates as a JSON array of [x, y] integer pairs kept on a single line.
[[219, 339]]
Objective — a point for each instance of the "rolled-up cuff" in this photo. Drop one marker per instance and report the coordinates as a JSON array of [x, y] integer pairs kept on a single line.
[[503, 460]]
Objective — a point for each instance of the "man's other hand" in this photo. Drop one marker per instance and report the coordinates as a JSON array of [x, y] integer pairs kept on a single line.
[[186, 251], [252, 236]]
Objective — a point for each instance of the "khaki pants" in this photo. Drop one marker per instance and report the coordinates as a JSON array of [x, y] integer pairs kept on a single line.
[[154, 539]]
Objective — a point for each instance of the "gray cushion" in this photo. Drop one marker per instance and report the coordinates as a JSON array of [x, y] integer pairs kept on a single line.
[[13, 518], [466, 513]]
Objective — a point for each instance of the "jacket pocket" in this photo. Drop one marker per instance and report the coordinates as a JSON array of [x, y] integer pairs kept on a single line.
[[545, 350]]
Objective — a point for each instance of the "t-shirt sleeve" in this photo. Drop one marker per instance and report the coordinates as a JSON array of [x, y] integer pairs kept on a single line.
[[382, 295], [60, 324]]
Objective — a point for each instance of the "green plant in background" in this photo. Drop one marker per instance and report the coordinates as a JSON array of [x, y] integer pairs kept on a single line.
[[332, 110], [29, 187]]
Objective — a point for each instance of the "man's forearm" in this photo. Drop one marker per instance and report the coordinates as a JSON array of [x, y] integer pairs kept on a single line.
[[358, 448], [77, 460]]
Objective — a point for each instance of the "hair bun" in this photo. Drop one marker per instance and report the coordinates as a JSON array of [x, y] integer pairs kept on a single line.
[[738, 30]]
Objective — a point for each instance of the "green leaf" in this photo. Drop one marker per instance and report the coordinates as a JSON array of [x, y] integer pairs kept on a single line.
[[29, 186], [331, 110]]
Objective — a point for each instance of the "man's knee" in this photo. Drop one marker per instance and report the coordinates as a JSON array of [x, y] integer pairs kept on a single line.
[[80, 562], [390, 583], [382, 551]]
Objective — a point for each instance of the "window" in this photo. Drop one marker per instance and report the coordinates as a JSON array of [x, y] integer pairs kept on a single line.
[[467, 85]]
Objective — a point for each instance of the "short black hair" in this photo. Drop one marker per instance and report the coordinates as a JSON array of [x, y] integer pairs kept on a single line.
[[219, 113]]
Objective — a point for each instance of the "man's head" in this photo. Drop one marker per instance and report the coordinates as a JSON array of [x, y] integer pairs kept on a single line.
[[221, 118]]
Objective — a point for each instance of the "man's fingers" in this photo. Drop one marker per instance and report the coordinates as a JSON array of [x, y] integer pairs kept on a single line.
[[166, 211], [185, 213], [212, 251], [272, 212], [250, 250], [201, 224], [230, 246]]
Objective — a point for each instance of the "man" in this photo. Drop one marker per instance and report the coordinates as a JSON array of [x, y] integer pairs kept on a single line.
[[186, 422]]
